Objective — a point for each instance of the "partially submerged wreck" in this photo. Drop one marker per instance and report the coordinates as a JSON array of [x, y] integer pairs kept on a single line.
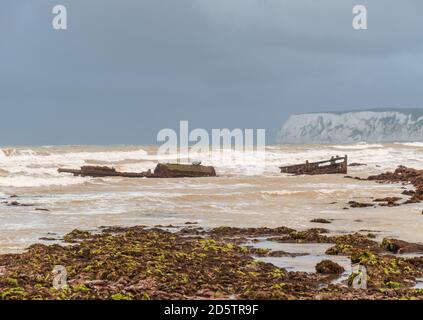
[[168, 170], [332, 166], [171, 170]]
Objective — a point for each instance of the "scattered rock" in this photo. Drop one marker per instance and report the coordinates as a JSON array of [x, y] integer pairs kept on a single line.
[[355, 178], [404, 175], [320, 220], [389, 204], [355, 204], [18, 204], [387, 199], [409, 192], [356, 164]]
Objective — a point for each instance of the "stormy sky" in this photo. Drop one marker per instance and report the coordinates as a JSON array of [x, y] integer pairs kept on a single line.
[[125, 69]]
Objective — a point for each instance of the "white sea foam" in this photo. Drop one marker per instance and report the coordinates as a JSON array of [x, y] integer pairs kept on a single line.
[[412, 144], [38, 167], [358, 146], [30, 181], [280, 192]]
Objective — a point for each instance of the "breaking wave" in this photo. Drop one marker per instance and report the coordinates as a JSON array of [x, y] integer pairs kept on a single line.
[[412, 144], [358, 146], [37, 167]]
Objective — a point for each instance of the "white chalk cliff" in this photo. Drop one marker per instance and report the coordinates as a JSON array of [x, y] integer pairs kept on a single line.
[[390, 125]]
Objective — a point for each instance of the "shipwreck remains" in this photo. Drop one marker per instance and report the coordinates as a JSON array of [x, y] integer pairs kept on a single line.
[[94, 171], [332, 166], [168, 170]]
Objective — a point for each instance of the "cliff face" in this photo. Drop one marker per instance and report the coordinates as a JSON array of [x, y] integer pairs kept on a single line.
[[393, 125]]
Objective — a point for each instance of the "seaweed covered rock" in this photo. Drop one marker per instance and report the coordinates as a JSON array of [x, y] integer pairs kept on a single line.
[[383, 271], [142, 263], [349, 244], [77, 235], [329, 267], [138, 262], [400, 246], [249, 232]]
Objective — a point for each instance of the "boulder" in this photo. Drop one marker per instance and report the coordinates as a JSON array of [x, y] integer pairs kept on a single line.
[[400, 246], [329, 267]]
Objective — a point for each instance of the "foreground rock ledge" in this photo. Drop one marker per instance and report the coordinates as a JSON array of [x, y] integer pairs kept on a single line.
[[193, 263]]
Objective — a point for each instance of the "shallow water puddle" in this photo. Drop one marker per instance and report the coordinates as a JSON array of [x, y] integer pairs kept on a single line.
[[310, 248], [303, 263], [419, 284]]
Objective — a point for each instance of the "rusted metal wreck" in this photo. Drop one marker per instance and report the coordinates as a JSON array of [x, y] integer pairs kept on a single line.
[[332, 166], [167, 170]]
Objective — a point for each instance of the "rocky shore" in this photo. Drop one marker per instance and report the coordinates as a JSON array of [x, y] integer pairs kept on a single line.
[[403, 175], [190, 262]]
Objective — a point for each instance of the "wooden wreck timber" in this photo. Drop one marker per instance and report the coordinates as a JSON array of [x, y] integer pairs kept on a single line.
[[167, 170], [332, 166], [94, 171]]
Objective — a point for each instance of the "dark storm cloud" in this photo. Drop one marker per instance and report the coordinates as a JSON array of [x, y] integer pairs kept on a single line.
[[126, 69]]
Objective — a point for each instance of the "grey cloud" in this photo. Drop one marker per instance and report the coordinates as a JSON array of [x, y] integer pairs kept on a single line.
[[126, 69]]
